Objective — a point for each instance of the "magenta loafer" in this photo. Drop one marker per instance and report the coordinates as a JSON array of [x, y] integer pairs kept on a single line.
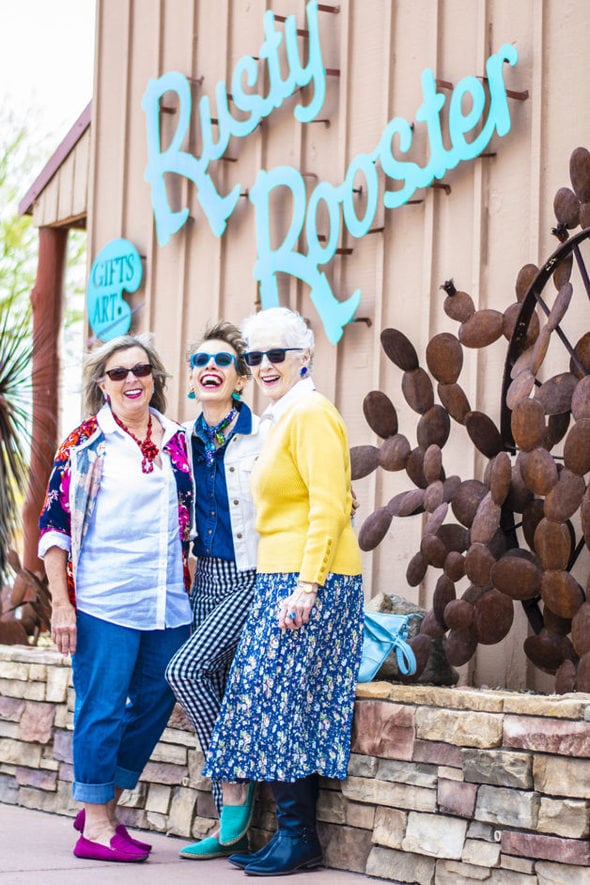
[[120, 851], [121, 829]]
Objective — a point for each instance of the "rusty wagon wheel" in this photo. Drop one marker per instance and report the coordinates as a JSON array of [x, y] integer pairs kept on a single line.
[[545, 423]]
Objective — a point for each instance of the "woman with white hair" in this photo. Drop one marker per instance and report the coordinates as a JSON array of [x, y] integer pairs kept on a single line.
[[287, 713]]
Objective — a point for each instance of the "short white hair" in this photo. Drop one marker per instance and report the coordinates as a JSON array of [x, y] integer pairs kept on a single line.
[[293, 329]]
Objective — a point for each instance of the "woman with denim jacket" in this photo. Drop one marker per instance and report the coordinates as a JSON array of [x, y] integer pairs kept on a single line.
[[224, 442], [114, 538]]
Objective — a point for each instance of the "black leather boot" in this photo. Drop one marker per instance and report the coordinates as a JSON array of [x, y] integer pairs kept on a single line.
[[242, 859], [295, 845]]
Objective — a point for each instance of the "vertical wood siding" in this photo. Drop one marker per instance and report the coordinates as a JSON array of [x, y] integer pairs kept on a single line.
[[497, 217]]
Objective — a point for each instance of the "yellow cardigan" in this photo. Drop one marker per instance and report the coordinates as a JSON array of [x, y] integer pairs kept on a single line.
[[301, 488]]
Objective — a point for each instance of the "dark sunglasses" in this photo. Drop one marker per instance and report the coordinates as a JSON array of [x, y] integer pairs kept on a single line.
[[142, 370], [276, 355], [223, 360]]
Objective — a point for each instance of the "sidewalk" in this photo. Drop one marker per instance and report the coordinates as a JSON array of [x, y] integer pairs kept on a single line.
[[37, 847]]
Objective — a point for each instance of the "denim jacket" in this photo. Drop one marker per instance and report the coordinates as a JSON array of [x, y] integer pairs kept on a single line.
[[240, 457]]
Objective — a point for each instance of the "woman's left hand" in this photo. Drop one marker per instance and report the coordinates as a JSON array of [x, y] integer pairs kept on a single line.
[[296, 608]]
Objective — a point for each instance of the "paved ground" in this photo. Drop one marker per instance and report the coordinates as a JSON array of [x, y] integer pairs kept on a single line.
[[36, 849]]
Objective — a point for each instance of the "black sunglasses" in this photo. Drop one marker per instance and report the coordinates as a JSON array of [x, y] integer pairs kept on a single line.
[[275, 355], [223, 360], [142, 370]]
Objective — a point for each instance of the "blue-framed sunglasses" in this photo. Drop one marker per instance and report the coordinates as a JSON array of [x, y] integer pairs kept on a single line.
[[223, 360]]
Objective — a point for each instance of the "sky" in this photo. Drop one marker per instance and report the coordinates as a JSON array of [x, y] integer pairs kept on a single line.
[[47, 64], [46, 77]]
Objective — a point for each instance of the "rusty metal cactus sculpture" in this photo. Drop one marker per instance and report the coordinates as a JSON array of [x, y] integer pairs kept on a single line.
[[517, 534]]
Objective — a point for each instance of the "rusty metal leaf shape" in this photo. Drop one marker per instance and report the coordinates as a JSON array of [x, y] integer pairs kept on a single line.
[[519, 389], [399, 349], [473, 593], [466, 500], [580, 173], [565, 678], [576, 450], [581, 629], [518, 496], [415, 467], [500, 477], [443, 593], [459, 306], [453, 536], [556, 624], [528, 424], [585, 516], [540, 348], [563, 271], [416, 569], [566, 206], [517, 575], [433, 548], [380, 414], [460, 646], [374, 529], [433, 495], [560, 305], [432, 464], [494, 614], [479, 562], [450, 487], [444, 357], [561, 592], [483, 433], [454, 566], [557, 426], [417, 390], [412, 503], [482, 329], [525, 277], [585, 214], [431, 627], [555, 394], [363, 460], [511, 315], [532, 515], [486, 520], [546, 650], [580, 366], [553, 544], [436, 520], [565, 497], [538, 470], [433, 427], [453, 398], [459, 614], [523, 363], [394, 452], [583, 673], [581, 399]]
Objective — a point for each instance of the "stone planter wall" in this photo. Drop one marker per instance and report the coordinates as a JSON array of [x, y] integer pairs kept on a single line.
[[446, 785]]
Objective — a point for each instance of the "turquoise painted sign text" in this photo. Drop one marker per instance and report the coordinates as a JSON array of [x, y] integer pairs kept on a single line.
[[475, 114], [116, 269]]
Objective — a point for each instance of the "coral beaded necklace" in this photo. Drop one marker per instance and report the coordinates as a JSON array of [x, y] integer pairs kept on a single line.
[[149, 449]]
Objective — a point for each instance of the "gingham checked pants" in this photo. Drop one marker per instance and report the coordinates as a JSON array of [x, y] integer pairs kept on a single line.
[[220, 598]]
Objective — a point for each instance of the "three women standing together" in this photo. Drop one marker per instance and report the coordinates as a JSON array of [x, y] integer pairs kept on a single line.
[[283, 712]]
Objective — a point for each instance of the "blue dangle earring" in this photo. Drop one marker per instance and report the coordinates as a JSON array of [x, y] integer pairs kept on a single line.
[[303, 371], [237, 395], [191, 394]]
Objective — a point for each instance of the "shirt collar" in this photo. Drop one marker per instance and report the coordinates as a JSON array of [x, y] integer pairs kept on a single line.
[[243, 424], [299, 391], [107, 423]]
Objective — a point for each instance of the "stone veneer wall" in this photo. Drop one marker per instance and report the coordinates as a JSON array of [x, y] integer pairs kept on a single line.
[[446, 785]]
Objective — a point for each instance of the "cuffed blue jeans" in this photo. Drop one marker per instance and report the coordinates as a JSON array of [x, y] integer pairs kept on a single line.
[[123, 703]]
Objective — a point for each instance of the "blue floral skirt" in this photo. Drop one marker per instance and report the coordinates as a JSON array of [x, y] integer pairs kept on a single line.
[[288, 706]]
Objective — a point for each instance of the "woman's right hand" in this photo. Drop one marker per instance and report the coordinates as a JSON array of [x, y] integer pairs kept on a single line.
[[63, 627], [63, 614]]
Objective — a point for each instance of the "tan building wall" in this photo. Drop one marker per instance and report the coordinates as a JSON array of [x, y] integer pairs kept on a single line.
[[496, 215]]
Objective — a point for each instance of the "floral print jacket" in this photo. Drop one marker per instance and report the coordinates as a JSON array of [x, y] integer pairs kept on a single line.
[[75, 481]]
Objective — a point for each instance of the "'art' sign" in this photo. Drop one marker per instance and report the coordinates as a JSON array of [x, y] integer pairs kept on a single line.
[[486, 115]]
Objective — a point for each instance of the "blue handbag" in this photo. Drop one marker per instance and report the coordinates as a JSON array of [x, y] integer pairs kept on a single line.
[[382, 633]]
